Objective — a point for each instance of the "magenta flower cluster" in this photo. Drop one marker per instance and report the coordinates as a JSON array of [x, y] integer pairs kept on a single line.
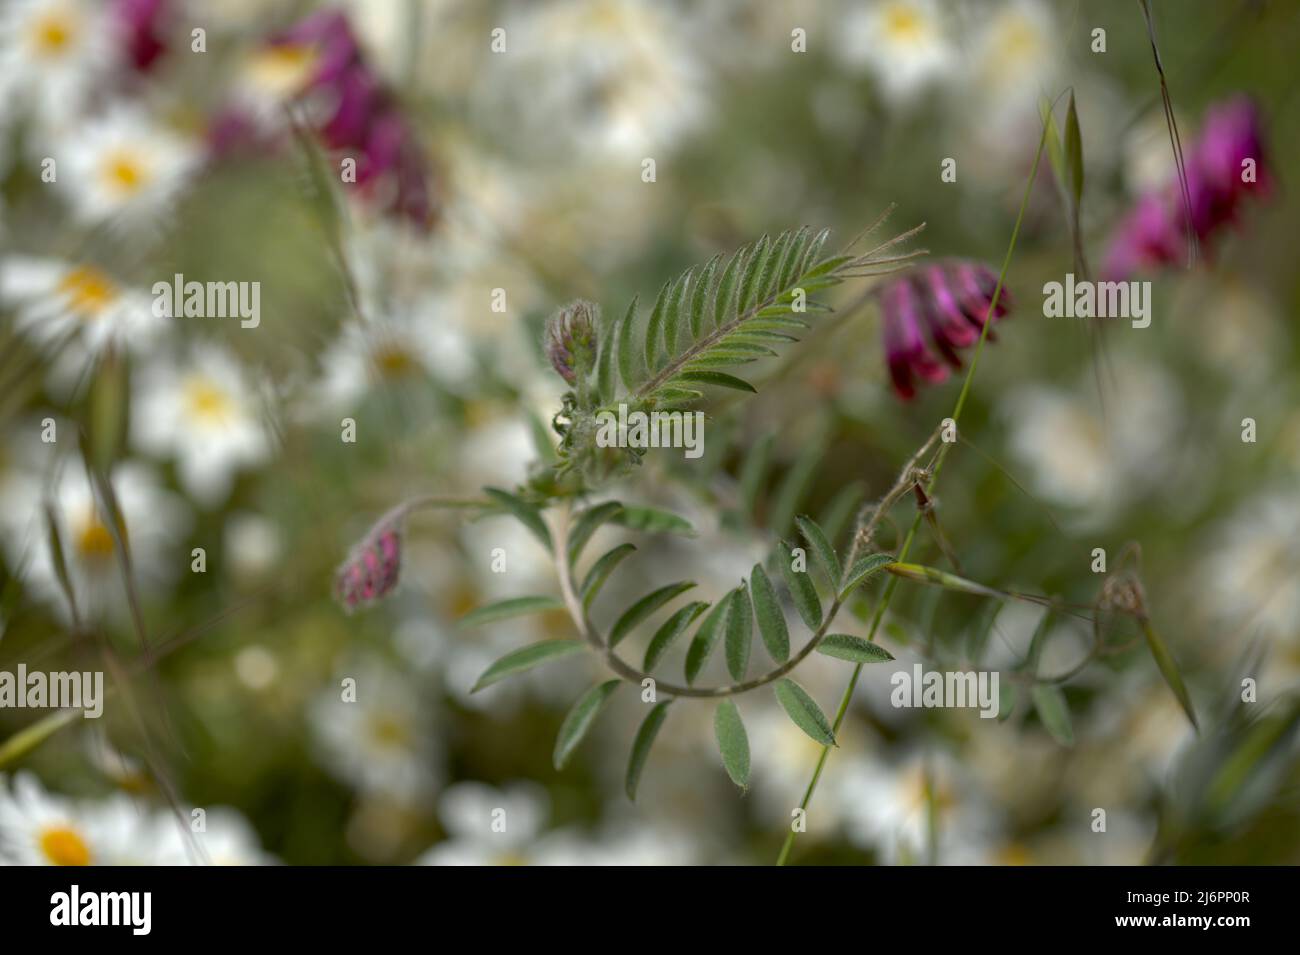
[[362, 118], [929, 313], [1225, 166]]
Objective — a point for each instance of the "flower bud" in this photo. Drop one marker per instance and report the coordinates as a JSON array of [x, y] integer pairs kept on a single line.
[[570, 339], [372, 568]]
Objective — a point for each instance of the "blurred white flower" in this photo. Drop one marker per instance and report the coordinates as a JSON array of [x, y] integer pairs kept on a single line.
[[54, 55], [156, 523], [267, 77], [227, 839], [256, 667], [904, 43], [782, 757], [203, 413], [1016, 52], [125, 169], [253, 544], [617, 79], [885, 808], [77, 310], [488, 826], [389, 352], [1250, 571], [380, 742], [1014, 59], [659, 845], [1082, 459], [496, 451]]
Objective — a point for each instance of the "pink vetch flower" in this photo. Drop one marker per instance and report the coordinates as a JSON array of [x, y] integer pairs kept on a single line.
[[374, 565], [360, 117], [1154, 233], [141, 24], [931, 311]]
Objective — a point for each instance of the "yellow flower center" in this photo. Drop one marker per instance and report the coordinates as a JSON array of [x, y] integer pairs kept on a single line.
[[63, 846], [389, 730], [393, 361], [512, 858], [904, 24], [1020, 40], [124, 172], [208, 402], [95, 542], [88, 291], [283, 69], [52, 34]]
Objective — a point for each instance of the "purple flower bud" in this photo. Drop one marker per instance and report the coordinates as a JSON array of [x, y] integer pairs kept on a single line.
[[570, 339], [372, 568]]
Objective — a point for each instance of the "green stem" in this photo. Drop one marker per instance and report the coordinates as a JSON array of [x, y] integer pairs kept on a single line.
[[881, 607]]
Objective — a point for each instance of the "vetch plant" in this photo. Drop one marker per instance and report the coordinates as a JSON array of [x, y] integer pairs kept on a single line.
[[703, 325]]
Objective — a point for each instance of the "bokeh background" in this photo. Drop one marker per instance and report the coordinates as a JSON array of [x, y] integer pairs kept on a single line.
[[521, 170]]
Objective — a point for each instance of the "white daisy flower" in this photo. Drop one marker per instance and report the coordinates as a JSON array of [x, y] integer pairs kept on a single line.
[[902, 42], [156, 522], [54, 55], [488, 826], [206, 415], [40, 828], [379, 742], [125, 169], [79, 310]]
